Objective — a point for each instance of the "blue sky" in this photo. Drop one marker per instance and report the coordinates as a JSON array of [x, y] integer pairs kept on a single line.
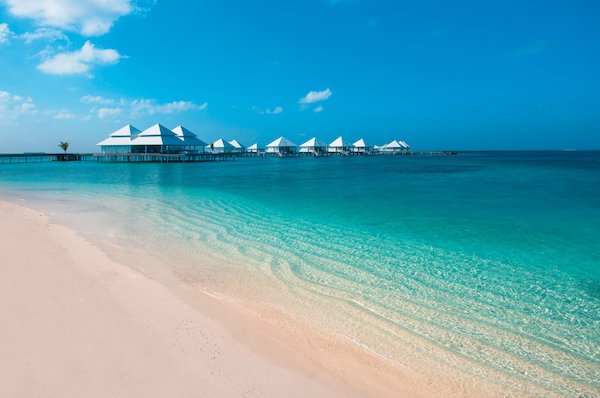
[[437, 74]]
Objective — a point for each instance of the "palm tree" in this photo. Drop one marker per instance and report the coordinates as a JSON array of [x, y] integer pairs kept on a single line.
[[64, 146]]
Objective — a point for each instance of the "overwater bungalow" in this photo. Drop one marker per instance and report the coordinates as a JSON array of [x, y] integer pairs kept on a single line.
[[282, 146], [221, 146], [405, 145], [119, 141], [237, 147], [393, 146], [360, 146], [313, 146], [190, 140], [253, 148], [338, 146]]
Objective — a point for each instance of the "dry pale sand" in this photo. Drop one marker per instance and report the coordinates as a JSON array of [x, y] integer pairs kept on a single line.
[[76, 324]]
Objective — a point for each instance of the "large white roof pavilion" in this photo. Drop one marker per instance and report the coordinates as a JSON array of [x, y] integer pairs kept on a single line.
[[189, 139], [119, 141], [157, 139]]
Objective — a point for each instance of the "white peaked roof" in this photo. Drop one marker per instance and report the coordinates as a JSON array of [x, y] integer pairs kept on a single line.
[[221, 143], [338, 143], [236, 144], [188, 137], [253, 147], [393, 145], [404, 144], [122, 136], [281, 142], [313, 143], [157, 135], [360, 144]]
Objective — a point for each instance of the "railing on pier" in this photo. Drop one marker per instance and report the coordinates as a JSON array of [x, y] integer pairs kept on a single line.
[[161, 157], [184, 157], [44, 157]]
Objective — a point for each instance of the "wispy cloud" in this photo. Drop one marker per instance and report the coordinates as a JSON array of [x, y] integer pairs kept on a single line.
[[319, 109], [48, 34], [12, 106], [96, 99], [5, 33], [268, 111], [315, 96], [87, 17], [66, 115], [104, 113], [151, 107], [80, 61]]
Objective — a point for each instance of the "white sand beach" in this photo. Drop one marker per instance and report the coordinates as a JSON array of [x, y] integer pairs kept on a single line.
[[76, 323]]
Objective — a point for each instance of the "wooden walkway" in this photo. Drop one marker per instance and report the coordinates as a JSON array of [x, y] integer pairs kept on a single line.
[[182, 158], [160, 157], [44, 157]]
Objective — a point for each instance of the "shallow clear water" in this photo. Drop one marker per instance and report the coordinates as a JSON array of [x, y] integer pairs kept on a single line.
[[489, 257]]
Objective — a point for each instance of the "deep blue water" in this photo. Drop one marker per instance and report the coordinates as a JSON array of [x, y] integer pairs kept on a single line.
[[492, 256]]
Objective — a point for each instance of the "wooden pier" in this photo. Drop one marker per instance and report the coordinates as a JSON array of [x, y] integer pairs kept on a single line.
[[44, 157], [112, 157], [161, 157], [183, 157]]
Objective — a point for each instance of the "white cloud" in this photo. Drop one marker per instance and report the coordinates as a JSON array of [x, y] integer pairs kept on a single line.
[[109, 112], [65, 115], [315, 96], [319, 109], [151, 107], [12, 106], [87, 17], [80, 61], [95, 99], [43, 34], [268, 111], [5, 33]]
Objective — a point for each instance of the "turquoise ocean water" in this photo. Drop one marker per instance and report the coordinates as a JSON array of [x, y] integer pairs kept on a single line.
[[490, 260]]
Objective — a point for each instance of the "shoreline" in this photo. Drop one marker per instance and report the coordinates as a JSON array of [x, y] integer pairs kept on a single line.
[[80, 324], [291, 284], [73, 310], [262, 314]]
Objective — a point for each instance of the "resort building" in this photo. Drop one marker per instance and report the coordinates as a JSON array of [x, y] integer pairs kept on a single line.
[[405, 145], [338, 146], [253, 148], [119, 141], [360, 146], [190, 140], [282, 146], [157, 139], [313, 146], [237, 147], [393, 147], [221, 146]]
